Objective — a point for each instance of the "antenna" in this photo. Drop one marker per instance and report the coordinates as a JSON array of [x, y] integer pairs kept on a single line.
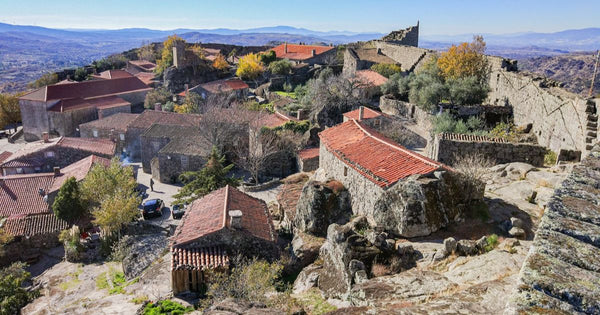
[[594, 74]]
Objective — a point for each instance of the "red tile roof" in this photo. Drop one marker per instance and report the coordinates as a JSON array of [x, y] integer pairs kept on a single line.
[[147, 65], [199, 258], [274, 120], [118, 122], [377, 158], [4, 156], [149, 117], [87, 89], [112, 74], [78, 103], [299, 52], [211, 214], [367, 114], [19, 194], [30, 225], [79, 170], [147, 77], [220, 86], [370, 77], [97, 146], [309, 153]]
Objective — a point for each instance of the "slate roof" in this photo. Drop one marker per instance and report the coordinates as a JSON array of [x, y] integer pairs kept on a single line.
[[31, 225], [211, 214], [370, 77], [377, 158], [299, 52], [150, 117], [118, 122], [87, 89], [19, 194], [367, 114], [199, 258]]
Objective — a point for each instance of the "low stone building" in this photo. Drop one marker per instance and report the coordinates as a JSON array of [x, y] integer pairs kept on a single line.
[[216, 227], [59, 109], [359, 58], [235, 86], [310, 54], [308, 159], [397, 189], [45, 155], [169, 150], [113, 127]]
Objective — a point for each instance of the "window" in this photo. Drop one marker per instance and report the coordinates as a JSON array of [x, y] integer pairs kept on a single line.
[[345, 171], [95, 133], [49, 154], [122, 136], [184, 162], [19, 170], [38, 169], [156, 146]]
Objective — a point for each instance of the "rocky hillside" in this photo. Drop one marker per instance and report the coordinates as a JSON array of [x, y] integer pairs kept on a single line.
[[574, 70]]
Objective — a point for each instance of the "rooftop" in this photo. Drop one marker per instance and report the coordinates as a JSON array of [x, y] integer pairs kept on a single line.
[[149, 117], [299, 52], [79, 170], [20, 194], [370, 77], [308, 153], [211, 214], [118, 122], [275, 119], [199, 258], [4, 156], [220, 86], [377, 158], [112, 74], [103, 102], [30, 225], [367, 114], [145, 64]]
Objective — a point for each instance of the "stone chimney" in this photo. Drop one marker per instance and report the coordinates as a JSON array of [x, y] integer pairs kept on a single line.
[[313, 52], [45, 137], [361, 113], [56, 171], [235, 217], [285, 48], [301, 114], [157, 107]]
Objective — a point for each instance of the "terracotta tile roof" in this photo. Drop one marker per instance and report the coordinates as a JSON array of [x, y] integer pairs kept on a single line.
[[4, 156], [275, 119], [19, 194], [149, 117], [220, 86], [147, 65], [199, 258], [28, 157], [78, 103], [31, 225], [87, 89], [377, 158], [79, 170], [118, 122], [112, 74], [147, 77], [370, 77], [367, 114], [308, 153], [299, 52], [211, 214]]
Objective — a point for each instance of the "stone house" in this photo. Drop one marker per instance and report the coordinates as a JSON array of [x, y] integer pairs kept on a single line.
[[169, 150], [235, 86], [216, 227], [308, 160], [45, 155], [359, 58], [59, 109], [397, 189], [113, 127], [310, 54], [145, 120]]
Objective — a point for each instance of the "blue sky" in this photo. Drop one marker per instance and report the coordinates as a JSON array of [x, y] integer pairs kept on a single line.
[[437, 17]]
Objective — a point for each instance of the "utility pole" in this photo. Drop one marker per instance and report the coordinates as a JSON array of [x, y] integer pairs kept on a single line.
[[594, 74]]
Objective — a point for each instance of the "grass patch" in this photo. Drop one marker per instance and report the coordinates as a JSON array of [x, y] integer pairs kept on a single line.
[[287, 94], [73, 282], [139, 299], [491, 242], [102, 281], [117, 283], [550, 158], [313, 301], [166, 307]]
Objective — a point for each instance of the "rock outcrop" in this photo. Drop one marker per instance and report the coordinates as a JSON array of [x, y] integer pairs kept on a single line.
[[562, 271], [320, 205]]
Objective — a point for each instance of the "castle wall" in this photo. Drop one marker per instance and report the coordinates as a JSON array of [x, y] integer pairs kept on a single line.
[[408, 36], [410, 58]]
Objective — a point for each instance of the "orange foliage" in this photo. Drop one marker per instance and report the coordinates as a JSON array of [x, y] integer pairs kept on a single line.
[[220, 63], [464, 60]]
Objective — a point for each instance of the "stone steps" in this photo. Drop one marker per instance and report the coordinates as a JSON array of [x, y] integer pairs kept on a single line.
[[592, 117]]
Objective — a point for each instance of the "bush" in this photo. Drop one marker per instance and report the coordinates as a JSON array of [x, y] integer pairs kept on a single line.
[[287, 87], [268, 57], [446, 123], [249, 67], [168, 106], [295, 126], [281, 67], [72, 243], [491, 242], [13, 295], [472, 169], [68, 204], [45, 79], [160, 95], [550, 158], [386, 69], [80, 74], [166, 307], [466, 91], [507, 131], [120, 249]]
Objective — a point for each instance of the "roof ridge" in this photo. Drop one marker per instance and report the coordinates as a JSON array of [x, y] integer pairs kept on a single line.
[[397, 147]]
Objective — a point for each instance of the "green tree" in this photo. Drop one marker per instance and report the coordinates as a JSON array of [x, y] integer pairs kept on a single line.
[[467, 91], [282, 67], [13, 295], [68, 204], [268, 57], [211, 177], [386, 69], [80, 74], [10, 111], [45, 79], [159, 95]]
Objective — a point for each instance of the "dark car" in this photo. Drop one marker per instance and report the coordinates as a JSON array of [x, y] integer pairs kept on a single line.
[[152, 208], [178, 211]]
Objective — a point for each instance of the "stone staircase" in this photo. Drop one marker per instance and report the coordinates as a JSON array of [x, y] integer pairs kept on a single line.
[[591, 132]]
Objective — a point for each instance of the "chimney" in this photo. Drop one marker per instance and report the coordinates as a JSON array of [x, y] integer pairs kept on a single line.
[[235, 219], [285, 48], [301, 114], [157, 107], [56, 171], [361, 113], [45, 137], [313, 52]]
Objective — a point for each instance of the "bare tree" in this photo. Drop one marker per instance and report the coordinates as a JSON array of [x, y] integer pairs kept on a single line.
[[473, 169], [223, 123]]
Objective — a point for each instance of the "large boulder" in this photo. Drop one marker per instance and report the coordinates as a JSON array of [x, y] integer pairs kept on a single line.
[[305, 249], [419, 206], [320, 205]]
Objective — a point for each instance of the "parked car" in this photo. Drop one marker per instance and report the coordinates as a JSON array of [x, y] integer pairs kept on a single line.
[[178, 211], [152, 208]]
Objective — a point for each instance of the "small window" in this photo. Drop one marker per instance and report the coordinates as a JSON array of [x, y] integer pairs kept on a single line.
[[19, 170], [345, 171], [38, 169], [184, 162], [122, 136], [95, 133], [49, 154], [156, 146]]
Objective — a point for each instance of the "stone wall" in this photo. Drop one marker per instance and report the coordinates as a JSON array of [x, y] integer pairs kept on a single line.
[[67, 123], [28, 248], [561, 273], [133, 144], [408, 36], [113, 110], [149, 149], [166, 167], [410, 58], [446, 147], [394, 107], [35, 119], [308, 165], [117, 137]]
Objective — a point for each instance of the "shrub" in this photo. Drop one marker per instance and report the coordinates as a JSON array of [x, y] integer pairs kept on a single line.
[[445, 122], [491, 242], [550, 158], [220, 63], [292, 125], [249, 67], [268, 57], [473, 169], [168, 106], [68, 204], [45, 79], [287, 87], [166, 307], [120, 249], [378, 270], [13, 295], [466, 91], [72, 244], [160, 95], [386, 69], [504, 130], [282, 67], [80, 74]]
